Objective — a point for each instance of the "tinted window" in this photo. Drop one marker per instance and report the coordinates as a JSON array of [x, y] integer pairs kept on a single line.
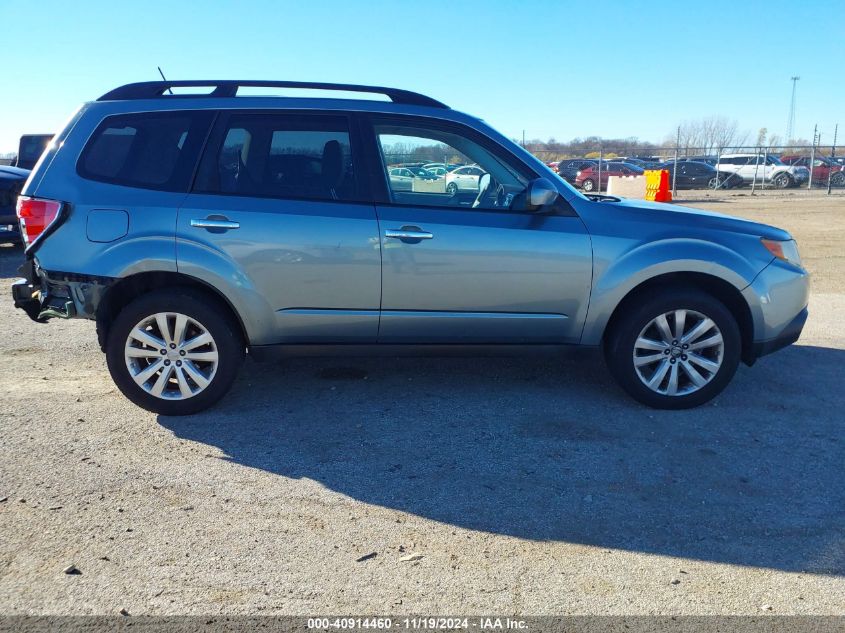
[[155, 150], [281, 156], [32, 146]]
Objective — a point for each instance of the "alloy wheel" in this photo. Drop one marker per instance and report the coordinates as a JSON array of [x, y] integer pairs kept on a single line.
[[171, 356], [678, 352]]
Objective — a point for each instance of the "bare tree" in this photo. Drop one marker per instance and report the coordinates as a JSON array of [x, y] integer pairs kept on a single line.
[[709, 134]]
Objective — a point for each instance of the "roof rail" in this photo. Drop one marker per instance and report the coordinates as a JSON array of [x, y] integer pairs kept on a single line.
[[229, 88]]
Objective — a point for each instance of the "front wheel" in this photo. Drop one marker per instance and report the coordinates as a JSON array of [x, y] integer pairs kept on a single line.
[[174, 351], [837, 179], [782, 181], [588, 185], [675, 349], [715, 183]]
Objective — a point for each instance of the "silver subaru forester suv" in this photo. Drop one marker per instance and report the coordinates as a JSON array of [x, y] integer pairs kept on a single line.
[[200, 226]]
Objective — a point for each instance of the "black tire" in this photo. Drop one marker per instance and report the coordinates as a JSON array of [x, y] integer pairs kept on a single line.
[[588, 185], [620, 345], [783, 181], [715, 183], [837, 179], [452, 189], [214, 317]]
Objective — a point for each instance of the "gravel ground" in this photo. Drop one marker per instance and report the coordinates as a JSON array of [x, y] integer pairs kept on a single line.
[[527, 486]]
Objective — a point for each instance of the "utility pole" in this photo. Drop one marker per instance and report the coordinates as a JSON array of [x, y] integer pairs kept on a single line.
[[813, 154], [832, 154], [790, 126]]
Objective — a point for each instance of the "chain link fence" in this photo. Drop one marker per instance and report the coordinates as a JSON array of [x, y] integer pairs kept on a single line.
[[755, 167]]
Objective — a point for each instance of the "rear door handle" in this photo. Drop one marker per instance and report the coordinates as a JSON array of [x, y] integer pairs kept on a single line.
[[409, 233], [214, 223]]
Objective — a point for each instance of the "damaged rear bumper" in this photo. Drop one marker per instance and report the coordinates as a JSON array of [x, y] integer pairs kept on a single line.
[[44, 295]]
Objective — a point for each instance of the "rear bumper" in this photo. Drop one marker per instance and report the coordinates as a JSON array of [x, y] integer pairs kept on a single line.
[[788, 336], [32, 295], [44, 295]]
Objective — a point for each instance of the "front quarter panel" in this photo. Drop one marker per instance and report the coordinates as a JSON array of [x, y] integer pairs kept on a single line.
[[631, 247]]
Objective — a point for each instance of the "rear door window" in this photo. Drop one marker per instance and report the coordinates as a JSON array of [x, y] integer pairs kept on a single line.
[[153, 150], [281, 155]]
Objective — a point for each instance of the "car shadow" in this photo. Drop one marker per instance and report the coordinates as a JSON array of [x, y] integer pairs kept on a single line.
[[549, 449]]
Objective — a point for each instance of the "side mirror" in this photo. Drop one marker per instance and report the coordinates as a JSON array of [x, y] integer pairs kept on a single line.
[[540, 194]]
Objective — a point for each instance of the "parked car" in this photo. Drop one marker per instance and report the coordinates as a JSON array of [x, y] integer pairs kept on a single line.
[[568, 168], [588, 178], [463, 179], [440, 169], [30, 148], [185, 264], [553, 165], [12, 180], [401, 178], [710, 160], [763, 168], [823, 168], [692, 175]]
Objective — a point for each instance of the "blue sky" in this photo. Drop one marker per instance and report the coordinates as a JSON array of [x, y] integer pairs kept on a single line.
[[555, 69]]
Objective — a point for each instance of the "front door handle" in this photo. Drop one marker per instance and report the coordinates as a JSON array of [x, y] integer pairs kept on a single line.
[[410, 233], [214, 223]]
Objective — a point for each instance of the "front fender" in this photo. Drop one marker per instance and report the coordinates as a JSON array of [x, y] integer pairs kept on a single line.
[[617, 275], [219, 271]]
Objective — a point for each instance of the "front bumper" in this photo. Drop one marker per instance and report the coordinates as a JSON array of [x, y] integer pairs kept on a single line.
[[9, 228], [778, 299], [788, 336]]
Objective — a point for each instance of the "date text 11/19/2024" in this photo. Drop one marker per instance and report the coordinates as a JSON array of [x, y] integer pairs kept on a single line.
[[418, 623]]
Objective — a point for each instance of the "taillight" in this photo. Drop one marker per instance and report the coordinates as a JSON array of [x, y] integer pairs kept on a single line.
[[36, 216]]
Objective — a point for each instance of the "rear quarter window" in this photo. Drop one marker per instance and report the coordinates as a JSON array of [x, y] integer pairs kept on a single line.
[[153, 150]]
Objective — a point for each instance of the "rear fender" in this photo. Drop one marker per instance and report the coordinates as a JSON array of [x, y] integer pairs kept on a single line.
[[219, 271]]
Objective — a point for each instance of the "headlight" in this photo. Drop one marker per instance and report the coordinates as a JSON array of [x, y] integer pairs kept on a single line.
[[787, 250]]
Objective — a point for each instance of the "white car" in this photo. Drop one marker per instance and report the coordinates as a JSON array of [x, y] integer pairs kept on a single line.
[[463, 179], [401, 179], [768, 169]]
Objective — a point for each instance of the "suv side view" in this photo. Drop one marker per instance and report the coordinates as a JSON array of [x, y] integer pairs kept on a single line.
[[196, 228], [763, 168]]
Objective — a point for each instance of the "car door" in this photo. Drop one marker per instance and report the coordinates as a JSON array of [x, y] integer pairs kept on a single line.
[[477, 268], [281, 216]]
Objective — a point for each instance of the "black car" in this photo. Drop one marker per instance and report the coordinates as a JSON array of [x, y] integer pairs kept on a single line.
[[695, 175], [30, 149], [569, 168], [709, 160], [11, 183]]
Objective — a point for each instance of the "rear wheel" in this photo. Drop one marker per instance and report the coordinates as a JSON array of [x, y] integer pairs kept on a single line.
[[588, 185], [174, 351], [715, 183], [451, 188], [838, 179], [675, 349]]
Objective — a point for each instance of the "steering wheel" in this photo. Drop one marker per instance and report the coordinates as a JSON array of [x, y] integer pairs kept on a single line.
[[485, 183]]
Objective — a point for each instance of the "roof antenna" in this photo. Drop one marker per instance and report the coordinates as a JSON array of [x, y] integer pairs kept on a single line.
[[170, 90]]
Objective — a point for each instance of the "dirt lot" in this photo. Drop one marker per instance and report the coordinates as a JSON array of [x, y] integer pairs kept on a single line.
[[527, 486]]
